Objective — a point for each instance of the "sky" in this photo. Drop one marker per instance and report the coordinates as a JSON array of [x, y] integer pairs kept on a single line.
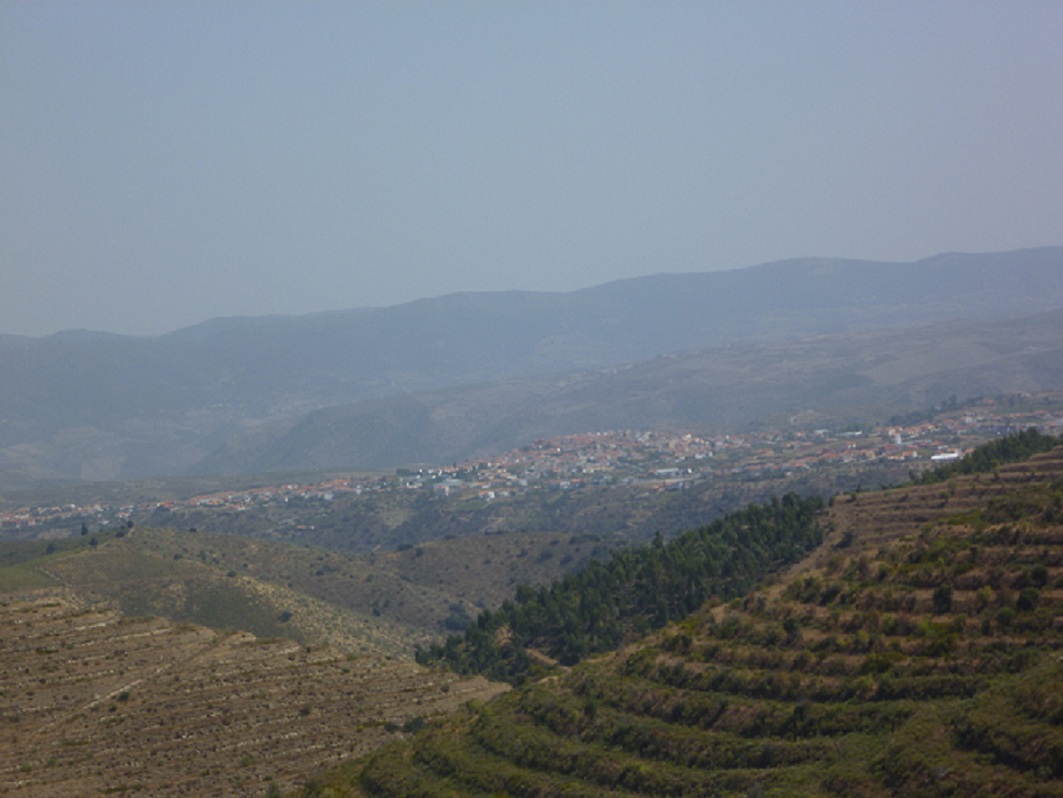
[[164, 163]]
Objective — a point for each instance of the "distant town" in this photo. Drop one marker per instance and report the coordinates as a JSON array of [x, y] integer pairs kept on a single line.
[[655, 460]]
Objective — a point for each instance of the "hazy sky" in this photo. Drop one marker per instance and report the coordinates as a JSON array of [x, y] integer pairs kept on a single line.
[[166, 162]]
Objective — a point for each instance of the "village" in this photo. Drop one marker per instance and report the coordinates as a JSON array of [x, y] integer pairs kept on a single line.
[[655, 460]]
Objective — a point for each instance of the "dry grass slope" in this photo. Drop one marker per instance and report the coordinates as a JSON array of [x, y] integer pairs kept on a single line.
[[96, 703], [379, 602]]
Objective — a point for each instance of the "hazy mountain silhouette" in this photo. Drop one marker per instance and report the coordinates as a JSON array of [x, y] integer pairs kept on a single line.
[[94, 405], [848, 378]]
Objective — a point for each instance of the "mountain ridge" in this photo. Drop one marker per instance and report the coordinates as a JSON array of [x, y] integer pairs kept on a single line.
[[99, 406], [818, 266], [853, 378]]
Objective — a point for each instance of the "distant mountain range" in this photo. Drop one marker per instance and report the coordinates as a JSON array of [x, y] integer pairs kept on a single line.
[[839, 379], [382, 387]]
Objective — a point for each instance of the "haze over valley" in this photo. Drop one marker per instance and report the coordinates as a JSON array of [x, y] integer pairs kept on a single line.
[[475, 374], [497, 399], [305, 503]]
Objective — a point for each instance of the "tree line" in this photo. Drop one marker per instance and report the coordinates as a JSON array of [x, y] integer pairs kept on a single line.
[[636, 590], [1010, 449]]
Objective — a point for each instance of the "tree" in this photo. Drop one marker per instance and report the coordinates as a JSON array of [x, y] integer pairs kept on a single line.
[[942, 599]]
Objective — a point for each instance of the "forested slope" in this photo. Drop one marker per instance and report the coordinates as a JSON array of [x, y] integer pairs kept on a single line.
[[637, 590]]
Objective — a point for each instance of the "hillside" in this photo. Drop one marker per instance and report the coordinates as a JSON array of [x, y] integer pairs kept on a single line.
[[208, 582], [98, 406], [635, 590], [96, 703], [916, 653], [380, 603]]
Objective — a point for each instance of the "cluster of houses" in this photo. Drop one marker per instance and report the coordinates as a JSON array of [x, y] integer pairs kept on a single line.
[[657, 460]]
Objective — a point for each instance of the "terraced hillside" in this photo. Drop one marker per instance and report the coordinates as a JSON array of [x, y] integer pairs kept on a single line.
[[919, 652], [384, 601], [94, 703], [149, 572]]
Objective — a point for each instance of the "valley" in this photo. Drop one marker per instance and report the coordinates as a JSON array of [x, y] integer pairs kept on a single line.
[[756, 533], [638, 462], [531, 400], [466, 377], [930, 611]]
